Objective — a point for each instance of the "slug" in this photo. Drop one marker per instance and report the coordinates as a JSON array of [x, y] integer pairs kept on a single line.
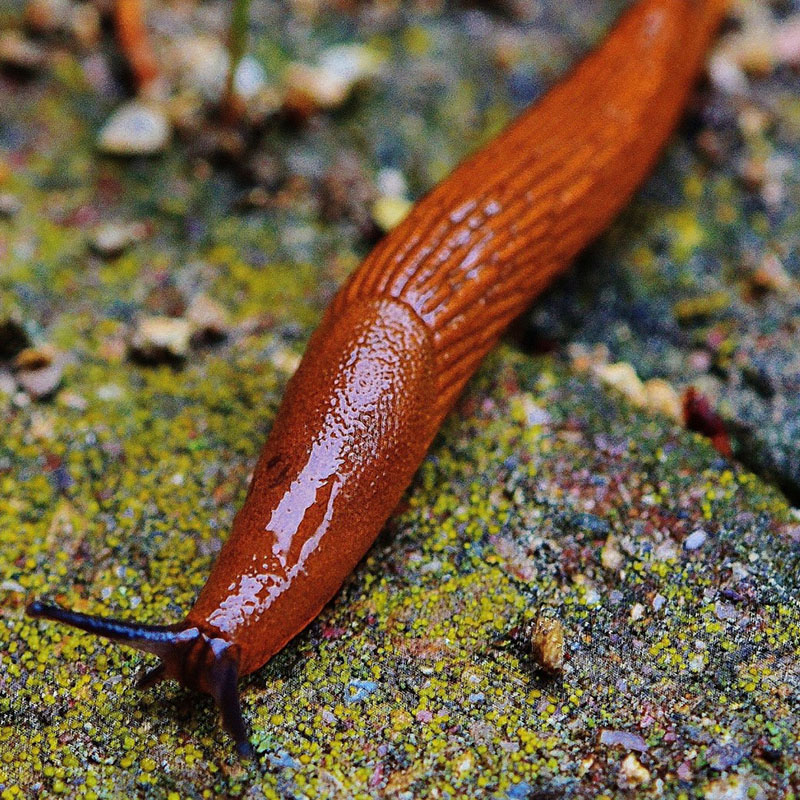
[[402, 336], [134, 42]]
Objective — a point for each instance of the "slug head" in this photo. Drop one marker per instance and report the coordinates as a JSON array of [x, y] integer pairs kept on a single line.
[[188, 655]]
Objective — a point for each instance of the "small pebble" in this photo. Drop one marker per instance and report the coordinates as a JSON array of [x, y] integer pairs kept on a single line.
[[19, 53], [207, 318], [663, 399], [632, 773], [160, 339], [388, 212], [327, 85], [250, 78], [526, 410], [722, 756], [695, 540], [610, 556], [734, 787], [697, 663], [38, 371], [113, 238], [135, 129], [726, 74], [592, 596], [42, 382], [309, 89], [547, 644], [725, 612], [622, 377], [285, 360], [350, 62], [391, 183], [630, 741]]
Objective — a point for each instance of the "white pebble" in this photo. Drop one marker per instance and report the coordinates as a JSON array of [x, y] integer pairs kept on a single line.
[[135, 129], [695, 540], [250, 78], [391, 183], [726, 74]]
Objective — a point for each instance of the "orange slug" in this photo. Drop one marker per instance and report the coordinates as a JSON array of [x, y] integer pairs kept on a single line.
[[401, 338], [129, 21]]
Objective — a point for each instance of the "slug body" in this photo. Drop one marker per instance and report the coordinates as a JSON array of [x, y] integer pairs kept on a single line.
[[404, 334]]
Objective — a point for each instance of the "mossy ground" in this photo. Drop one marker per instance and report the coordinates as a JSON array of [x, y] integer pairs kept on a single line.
[[542, 494]]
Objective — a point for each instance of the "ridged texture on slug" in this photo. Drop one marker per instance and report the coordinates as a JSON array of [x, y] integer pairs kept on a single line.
[[486, 241]]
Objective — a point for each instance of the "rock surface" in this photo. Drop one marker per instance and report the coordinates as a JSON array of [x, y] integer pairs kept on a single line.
[[673, 571]]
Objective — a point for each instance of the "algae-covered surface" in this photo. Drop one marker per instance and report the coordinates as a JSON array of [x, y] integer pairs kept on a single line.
[[672, 570]]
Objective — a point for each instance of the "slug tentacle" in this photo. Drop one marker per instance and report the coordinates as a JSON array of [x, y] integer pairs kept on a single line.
[[226, 696], [209, 664], [156, 639]]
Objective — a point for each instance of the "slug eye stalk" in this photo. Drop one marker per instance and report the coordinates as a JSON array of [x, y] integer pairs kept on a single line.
[[196, 660]]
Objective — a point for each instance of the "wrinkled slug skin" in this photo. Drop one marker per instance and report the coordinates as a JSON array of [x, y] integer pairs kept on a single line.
[[402, 337]]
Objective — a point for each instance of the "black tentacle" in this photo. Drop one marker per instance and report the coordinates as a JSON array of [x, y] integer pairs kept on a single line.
[[225, 676], [192, 657], [157, 639]]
